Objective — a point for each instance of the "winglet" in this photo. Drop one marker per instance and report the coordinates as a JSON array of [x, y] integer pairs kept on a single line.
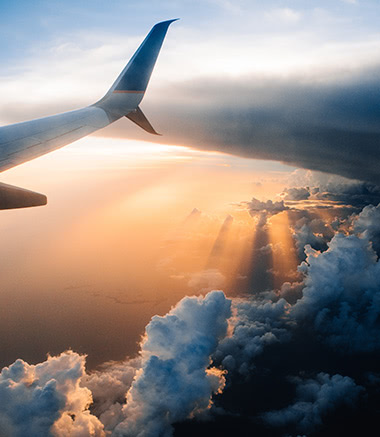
[[128, 90], [138, 117], [135, 76]]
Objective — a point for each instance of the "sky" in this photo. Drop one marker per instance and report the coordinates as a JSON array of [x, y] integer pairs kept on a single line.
[[223, 277]]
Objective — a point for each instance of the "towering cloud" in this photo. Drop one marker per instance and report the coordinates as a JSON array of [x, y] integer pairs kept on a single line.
[[342, 294], [175, 379], [367, 224], [171, 380]]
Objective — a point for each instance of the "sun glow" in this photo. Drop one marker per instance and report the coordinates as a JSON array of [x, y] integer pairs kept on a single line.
[[133, 225], [284, 256]]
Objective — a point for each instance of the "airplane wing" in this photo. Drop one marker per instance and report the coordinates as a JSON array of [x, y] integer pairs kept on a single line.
[[22, 142]]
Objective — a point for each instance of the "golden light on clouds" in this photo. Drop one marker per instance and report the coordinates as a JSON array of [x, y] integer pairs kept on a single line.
[[130, 227], [121, 207], [283, 250]]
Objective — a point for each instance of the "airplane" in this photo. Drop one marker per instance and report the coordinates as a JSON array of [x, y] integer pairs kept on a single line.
[[21, 142]]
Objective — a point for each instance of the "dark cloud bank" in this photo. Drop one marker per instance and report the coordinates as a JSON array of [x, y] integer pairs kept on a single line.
[[330, 124], [321, 121], [303, 359]]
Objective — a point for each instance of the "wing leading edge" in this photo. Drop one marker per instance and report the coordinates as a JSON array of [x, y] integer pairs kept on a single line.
[[22, 142]]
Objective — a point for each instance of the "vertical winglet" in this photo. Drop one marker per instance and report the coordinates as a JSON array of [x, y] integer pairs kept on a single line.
[[128, 90], [135, 76]]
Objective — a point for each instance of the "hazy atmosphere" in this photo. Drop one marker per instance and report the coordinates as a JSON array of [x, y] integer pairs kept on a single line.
[[223, 277]]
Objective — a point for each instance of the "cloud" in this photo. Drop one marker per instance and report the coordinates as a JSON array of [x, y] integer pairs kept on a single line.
[[311, 120], [318, 119], [341, 294], [315, 119], [317, 186], [357, 194], [264, 210], [291, 292], [47, 399], [315, 399], [269, 207], [339, 197], [255, 323], [309, 124], [170, 380], [207, 280], [304, 234], [271, 248], [175, 379], [301, 193], [211, 356], [285, 15], [367, 224], [195, 213], [109, 385]]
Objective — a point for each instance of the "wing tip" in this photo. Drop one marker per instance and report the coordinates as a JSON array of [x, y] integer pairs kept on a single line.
[[168, 22], [164, 24]]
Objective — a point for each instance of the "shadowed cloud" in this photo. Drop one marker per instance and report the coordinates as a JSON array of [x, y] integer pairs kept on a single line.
[[331, 127]]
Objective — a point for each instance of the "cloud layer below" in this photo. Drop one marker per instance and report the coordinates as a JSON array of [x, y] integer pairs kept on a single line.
[[213, 357]]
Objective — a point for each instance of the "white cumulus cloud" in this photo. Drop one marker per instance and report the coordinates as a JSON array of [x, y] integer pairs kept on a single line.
[[175, 380], [47, 399], [342, 293]]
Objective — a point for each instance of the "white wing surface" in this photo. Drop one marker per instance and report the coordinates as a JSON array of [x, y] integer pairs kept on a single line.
[[22, 142]]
